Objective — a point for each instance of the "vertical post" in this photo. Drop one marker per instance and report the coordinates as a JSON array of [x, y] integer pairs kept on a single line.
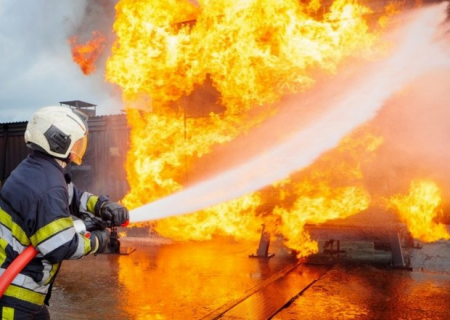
[[397, 254], [263, 248]]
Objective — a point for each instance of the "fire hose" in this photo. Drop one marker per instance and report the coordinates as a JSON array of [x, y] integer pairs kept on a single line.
[[81, 226], [15, 267]]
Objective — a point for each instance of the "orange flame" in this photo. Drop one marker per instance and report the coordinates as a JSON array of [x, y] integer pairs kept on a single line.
[[237, 218], [86, 55], [418, 210], [253, 53], [330, 189]]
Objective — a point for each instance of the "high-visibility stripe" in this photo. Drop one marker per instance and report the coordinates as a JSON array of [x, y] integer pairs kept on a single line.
[[15, 229], [83, 201], [91, 202], [50, 230], [25, 294], [56, 240], [7, 235], [47, 273], [84, 246], [70, 191], [3, 245], [51, 274], [52, 243], [27, 282], [7, 313]]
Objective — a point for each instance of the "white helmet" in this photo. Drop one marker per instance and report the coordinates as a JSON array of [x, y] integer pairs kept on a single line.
[[58, 131]]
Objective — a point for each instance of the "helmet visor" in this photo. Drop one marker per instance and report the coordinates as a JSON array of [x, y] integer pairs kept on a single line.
[[78, 150]]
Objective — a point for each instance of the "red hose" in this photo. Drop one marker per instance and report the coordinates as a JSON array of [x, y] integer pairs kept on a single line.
[[15, 267]]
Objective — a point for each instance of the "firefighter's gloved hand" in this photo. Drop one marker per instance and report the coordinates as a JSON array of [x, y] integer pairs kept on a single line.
[[99, 240], [115, 212]]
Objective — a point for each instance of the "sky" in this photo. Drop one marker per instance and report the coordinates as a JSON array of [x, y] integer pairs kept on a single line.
[[36, 66]]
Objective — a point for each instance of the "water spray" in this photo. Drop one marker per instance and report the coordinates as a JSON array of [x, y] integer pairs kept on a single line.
[[416, 54]]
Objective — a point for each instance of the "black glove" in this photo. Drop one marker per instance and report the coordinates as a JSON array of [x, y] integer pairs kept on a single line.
[[115, 212], [99, 240]]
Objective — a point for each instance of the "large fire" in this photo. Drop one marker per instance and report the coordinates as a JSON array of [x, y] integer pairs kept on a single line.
[[253, 52], [240, 57]]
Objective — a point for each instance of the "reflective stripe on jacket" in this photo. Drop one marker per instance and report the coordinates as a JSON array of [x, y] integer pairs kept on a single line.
[[34, 209]]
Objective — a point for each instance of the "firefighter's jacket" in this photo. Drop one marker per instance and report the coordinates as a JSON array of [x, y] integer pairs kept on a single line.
[[34, 210]]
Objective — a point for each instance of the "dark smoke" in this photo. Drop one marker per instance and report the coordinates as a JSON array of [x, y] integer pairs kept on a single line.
[[96, 16]]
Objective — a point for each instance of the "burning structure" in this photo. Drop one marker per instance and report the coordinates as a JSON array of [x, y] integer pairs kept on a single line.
[[298, 85]]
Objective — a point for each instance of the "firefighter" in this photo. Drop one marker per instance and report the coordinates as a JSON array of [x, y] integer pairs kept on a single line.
[[36, 203]]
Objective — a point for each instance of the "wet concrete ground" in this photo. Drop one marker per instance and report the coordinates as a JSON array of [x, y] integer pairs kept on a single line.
[[218, 280]]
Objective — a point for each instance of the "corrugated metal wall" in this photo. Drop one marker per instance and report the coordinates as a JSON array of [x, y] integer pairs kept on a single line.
[[12, 147], [103, 168]]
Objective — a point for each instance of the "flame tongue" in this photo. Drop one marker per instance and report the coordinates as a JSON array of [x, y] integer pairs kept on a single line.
[[86, 55], [253, 53], [418, 210]]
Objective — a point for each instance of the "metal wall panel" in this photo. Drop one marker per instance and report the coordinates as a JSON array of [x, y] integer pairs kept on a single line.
[[12, 147], [103, 168]]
